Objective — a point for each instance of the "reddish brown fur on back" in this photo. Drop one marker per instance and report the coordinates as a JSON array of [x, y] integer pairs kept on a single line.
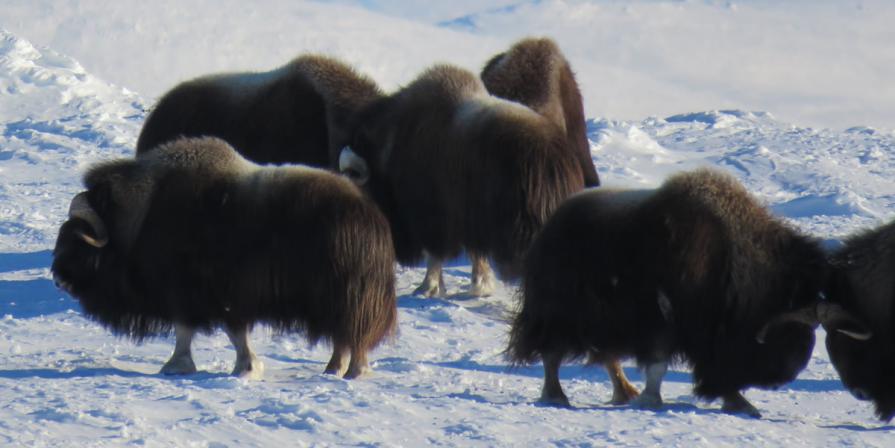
[[534, 72]]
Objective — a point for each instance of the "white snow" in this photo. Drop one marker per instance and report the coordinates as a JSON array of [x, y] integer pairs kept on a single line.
[[793, 98]]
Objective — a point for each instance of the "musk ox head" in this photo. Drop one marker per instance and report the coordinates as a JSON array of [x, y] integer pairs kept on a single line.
[[79, 247], [376, 133], [101, 225], [370, 143], [83, 245], [861, 343]]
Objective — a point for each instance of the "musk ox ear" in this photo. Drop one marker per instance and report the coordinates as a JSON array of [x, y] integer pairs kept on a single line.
[[80, 209], [835, 318], [806, 316], [353, 166]]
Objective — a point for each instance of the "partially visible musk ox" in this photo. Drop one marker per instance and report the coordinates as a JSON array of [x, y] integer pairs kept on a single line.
[[455, 169], [297, 113], [692, 271], [534, 72], [861, 343], [192, 236]]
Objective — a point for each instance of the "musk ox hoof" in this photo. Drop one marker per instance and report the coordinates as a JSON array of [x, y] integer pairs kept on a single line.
[[740, 406], [430, 289], [251, 370], [181, 365], [481, 290], [624, 395], [353, 373], [330, 370], [553, 400], [647, 401]]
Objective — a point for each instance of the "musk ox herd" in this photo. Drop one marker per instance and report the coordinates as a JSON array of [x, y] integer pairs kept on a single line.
[[285, 198]]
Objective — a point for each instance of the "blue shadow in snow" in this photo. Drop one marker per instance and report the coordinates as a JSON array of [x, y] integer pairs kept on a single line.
[[31, 298], [859, 428], [813, 386], [597, 374], [82, 372], [29, 260], [593, 373], [50, 374]]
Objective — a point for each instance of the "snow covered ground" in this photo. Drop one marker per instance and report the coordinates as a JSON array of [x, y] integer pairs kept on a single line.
[[794, 99]]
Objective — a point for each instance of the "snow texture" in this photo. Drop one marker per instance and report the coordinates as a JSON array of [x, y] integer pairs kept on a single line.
[[794, 99]]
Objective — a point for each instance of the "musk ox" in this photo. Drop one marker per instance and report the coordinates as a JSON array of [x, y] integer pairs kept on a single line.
[[297, 113], [192, 236], [534, 72], [692, 271], [455, 169], [861, 341]]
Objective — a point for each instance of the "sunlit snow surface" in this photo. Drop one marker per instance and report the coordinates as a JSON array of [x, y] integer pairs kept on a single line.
[[64, 381]]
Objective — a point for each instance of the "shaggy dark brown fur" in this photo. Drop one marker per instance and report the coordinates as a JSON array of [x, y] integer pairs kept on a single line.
[[297, 113], [690, 271], [454, 168], [863, 283], [534, 72], [201, 238]]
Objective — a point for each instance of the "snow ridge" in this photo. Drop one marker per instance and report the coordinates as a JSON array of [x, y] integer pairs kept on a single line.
[[55, 119]]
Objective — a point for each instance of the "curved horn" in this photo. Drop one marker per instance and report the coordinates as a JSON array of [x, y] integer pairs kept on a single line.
[[81, 209], [834, 318], [806, 315], [353, 166]]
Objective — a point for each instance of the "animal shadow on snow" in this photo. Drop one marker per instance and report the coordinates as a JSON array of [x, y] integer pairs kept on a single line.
[[806, 385], [858, 428], [23, 299], [592, 374], [459, 267], [94, 372]]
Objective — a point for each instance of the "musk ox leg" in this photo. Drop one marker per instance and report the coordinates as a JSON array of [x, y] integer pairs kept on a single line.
[[336, 364], [622, 389], [247, 366], [552, 393], [181, 362], [433, 284], [651, 398], [736, 403], [482, 277], [358, 364]]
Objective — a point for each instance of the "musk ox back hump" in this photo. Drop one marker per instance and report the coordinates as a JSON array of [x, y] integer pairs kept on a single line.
[[297, 113]]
